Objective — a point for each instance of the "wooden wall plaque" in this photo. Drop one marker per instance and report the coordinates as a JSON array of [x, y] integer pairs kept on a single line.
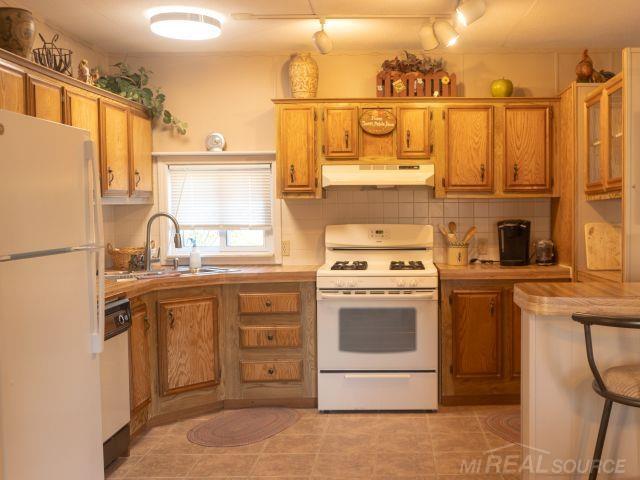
[[377, 121]]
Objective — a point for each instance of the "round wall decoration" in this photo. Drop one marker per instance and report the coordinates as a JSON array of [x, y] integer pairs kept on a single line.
[[377, 121]]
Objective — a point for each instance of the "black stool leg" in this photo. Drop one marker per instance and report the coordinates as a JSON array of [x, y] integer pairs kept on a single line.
[[602, 433]]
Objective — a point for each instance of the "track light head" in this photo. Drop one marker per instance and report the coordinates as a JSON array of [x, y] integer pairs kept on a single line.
[[428, 39], [323, 42], [445, 33], [470, 11]]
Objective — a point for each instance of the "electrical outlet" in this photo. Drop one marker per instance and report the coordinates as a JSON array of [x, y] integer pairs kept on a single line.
[[482, 246], [286, 248]]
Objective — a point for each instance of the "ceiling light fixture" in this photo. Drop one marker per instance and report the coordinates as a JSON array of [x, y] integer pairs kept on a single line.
[[323, 42], [445, 33], [428, 39], [470, 11], [184, 23]]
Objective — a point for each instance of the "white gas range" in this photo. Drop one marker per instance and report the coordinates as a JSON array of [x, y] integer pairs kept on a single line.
[[378, 319]]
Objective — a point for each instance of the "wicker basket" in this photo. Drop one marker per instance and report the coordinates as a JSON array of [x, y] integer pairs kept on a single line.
[[121, 257]]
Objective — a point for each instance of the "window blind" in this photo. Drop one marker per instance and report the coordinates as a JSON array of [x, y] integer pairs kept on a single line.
[[221, 196]]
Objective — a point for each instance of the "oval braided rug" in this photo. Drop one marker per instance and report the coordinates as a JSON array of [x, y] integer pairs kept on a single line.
[[231, 428], [506, 425]]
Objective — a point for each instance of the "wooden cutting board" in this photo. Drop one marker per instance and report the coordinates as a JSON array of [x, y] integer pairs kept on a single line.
[[603, 243]]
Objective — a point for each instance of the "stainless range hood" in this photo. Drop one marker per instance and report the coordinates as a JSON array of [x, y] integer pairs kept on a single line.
[[377, 175]]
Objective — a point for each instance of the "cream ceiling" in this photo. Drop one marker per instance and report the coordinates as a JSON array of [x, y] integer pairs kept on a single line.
[[119, 26]]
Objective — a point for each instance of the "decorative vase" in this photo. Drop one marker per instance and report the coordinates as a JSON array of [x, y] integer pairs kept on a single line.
[[17, 30], [303, 76]]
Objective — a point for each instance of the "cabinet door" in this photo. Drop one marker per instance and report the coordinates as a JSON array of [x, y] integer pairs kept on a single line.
[[340, 132], [469, 149], [413, 132], [140, 369], [526, 149], [45, 99], [477, 333], [12, 89], [593, 134], [141, 171], [114, 149], [187, 344], [82, 111], [615, 135], [296, 152]]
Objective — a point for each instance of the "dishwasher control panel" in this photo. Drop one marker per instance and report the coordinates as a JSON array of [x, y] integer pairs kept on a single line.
[[117, 318]]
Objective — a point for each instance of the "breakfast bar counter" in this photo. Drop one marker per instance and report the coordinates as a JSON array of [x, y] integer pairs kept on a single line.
[[237, 274], [560, 411]]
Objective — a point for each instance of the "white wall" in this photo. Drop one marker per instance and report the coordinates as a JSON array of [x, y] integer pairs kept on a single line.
[[232, 94]]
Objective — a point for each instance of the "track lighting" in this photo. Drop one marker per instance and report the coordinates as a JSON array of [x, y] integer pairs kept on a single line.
[[323, 42], [445, 33], [469, 11], [428, 39]]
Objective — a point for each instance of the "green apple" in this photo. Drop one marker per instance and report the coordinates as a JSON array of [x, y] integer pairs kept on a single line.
[[502, 88]]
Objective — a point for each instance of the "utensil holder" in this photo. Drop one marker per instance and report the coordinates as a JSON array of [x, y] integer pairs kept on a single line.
[[458, 255]]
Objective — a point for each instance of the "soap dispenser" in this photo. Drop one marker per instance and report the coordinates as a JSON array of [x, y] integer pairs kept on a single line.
[[195, 261]]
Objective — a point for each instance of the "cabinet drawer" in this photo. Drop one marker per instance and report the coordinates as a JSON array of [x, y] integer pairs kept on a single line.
[[269, 302], [277, 371], [270, 336]]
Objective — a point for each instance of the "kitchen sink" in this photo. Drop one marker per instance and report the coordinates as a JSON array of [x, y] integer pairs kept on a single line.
[[166, 272]]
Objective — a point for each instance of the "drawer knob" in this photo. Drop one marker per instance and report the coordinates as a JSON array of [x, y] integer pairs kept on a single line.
[[268, 303], [270, 336], [271, 371]]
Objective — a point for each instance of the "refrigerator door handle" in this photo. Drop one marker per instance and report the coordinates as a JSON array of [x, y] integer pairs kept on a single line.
[[97, 334]]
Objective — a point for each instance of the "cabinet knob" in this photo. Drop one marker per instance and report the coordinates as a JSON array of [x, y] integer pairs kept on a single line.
[[292, 173], [270, 336], [492, 308], [482, 172], [111, 175], [346, 138], [147, 325], [408, 138], [268, 303], [171, 319], [271, 371], [138, 178], [515, 172]]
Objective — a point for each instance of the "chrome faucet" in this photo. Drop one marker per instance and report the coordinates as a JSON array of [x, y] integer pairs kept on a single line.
[[177, 239]]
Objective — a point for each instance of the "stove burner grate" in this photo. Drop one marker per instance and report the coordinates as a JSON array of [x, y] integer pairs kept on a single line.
[[401, 265], [345, 265]]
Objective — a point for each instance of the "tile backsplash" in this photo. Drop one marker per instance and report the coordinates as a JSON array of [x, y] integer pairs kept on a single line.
[[303, 221]]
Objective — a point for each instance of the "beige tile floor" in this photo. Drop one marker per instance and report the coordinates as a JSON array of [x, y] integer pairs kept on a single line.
[[323, 446]]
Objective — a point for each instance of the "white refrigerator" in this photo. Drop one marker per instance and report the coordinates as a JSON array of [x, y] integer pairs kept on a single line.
[[51, 302]]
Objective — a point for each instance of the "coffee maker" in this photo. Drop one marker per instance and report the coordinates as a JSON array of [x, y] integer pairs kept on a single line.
[[514, 239]]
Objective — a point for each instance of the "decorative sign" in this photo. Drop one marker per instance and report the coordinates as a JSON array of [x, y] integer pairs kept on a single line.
[[377, 121]]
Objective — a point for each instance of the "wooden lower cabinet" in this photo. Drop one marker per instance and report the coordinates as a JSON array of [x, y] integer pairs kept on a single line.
[[480, 343], [188, 344], [140, 369]]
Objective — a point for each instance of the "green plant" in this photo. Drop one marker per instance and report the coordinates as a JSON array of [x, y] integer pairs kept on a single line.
[[133, 85]]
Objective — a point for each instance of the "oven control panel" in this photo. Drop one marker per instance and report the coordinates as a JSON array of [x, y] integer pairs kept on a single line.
[[378, 234], [377, 282]]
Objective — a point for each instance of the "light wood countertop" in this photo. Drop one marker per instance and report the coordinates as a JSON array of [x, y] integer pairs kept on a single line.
[[605, 298], [493, 271], [245, 274]]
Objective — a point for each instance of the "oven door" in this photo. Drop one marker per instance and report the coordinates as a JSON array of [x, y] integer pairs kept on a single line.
[[377, 331]]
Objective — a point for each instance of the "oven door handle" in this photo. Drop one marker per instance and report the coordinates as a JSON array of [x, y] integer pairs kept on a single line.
[[324, 295], [401, 376]]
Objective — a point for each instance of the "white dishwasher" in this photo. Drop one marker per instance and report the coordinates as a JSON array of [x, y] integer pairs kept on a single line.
[[114, 372]]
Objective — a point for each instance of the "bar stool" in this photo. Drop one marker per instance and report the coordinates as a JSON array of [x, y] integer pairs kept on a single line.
[[620, 384]]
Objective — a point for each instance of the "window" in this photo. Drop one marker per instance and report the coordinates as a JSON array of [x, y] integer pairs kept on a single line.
[[221, 208]]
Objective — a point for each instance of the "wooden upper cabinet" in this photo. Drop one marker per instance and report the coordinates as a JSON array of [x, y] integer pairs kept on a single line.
[[469, 149], [526, 148], [114, 149], [140, 165], [188, 344], [83, 111], [594, 181], [45, 99], [12, 89], [614, 131], [139, 346], [413, 132], [477, 333], [296, 149], [340, 132]]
